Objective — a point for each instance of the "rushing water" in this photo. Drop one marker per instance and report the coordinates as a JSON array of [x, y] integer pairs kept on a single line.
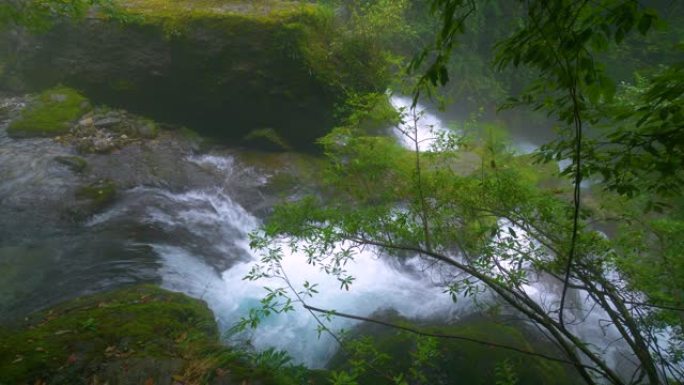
[[187, 226], [425, 125], [206, 255], [188, 231], [418, 124]]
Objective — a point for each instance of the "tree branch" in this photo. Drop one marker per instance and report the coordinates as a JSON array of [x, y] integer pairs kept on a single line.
[[446, 336]]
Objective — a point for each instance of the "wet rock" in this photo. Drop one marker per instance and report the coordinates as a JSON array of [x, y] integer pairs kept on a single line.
[[91, 199], [86, 122], [107, 122], [147, 129], [105, 131], [10, 107], [100, 192], [74, 163], [220, 62], [136, 335], [51, 113]]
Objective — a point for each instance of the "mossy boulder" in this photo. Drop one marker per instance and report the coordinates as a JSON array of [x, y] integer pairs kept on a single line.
[[136, 335], [457, 361], [222, 68], [73, 163], [99, 193], [50, 113], [91, 199]]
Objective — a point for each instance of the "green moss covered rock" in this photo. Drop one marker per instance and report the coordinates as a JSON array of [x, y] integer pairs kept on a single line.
[[73, 341], [137, 335], [100, 193], [51, 113], [73, 163], [91, 199]]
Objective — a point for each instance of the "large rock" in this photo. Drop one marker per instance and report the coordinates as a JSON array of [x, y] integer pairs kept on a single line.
[[137, 335], [223, 68], [51, 113]]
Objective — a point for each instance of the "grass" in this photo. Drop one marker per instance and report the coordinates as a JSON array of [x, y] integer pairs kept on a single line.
[[50, 114]]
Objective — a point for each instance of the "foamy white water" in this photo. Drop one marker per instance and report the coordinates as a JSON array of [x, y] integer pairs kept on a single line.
[[204, 252], [377, 287], [425, 129], [210, 223]]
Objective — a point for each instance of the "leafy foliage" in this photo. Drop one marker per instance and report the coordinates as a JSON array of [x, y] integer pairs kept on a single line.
[[491, 233], [640, 144]]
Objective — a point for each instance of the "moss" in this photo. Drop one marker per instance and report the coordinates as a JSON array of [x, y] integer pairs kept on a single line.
[[51, 113], [183, 10], [98, 194], [140, 334], [74, 163], [73, 339], [190, 135], [267, 139], [223, 67], [147, 129]]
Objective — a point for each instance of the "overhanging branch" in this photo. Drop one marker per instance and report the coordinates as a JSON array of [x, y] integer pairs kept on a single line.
[[423, 333]]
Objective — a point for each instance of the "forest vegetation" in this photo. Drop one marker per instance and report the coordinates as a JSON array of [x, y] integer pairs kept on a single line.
[[585, 231]]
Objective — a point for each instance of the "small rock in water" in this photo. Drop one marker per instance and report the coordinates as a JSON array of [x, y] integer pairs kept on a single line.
[[74, 163], [107, 122]]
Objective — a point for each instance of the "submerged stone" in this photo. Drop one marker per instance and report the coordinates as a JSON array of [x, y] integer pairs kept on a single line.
[[74, 163], [91, 199]]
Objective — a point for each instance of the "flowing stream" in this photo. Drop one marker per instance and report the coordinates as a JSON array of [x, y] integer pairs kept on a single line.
[[191, 237], [208, 255], [186, 225]]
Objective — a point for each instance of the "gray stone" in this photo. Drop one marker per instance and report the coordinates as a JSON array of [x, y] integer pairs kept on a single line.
[[147, 130], [107, 122]]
